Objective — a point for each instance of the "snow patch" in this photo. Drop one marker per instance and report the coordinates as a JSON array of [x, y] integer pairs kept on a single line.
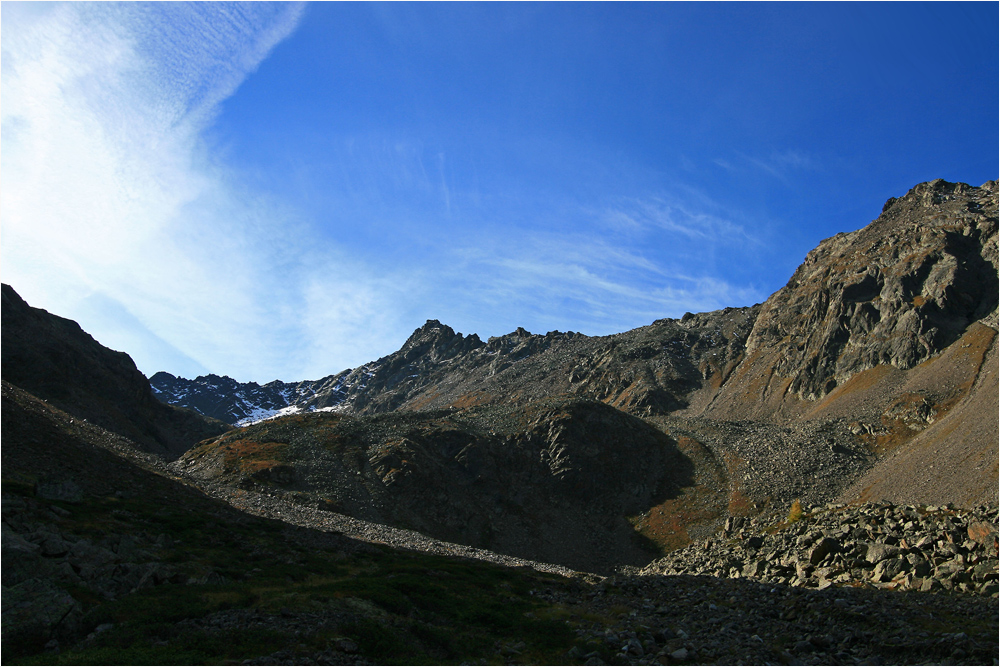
[[263, 414]]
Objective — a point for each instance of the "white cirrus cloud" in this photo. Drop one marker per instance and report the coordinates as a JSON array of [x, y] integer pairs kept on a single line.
[[591, 281], [115, 214]]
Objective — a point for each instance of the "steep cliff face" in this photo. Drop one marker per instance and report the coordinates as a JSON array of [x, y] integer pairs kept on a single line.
[[895, 294], [54, 359]]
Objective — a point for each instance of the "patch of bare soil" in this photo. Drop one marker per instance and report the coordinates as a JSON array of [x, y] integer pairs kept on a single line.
[[955, 458]]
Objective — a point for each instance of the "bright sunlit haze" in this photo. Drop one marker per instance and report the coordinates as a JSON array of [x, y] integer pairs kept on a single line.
[[285, 191]]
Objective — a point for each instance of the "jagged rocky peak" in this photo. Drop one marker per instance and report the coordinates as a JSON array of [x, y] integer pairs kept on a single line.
[[523, 340], [938, 190], [439, 341], [715, 318], [896, 292], [433, 329]]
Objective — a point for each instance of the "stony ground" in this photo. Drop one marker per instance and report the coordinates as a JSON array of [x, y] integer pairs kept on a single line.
[[274, 506], [764, 592], [875, 545]]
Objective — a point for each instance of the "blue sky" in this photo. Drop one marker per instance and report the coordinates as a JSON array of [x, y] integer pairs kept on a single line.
[[284, 191]]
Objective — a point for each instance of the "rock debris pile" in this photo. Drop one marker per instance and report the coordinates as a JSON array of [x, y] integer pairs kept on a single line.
[[875, 545]]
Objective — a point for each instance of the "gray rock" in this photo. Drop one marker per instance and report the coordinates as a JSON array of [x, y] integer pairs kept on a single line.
[[887, 569], [930, 584], [36, 611], [54, 546], [65, 490], [878, 552], [347, 646], [822, 549], [633, 647]]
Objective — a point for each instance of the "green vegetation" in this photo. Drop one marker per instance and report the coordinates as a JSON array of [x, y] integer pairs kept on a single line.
[[411, 609], [297, 591]]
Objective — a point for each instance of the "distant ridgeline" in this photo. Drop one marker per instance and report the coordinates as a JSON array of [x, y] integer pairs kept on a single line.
[[893, 294]]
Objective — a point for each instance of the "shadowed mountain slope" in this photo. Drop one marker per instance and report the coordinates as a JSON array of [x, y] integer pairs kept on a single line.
[[553, 481], [54, 359]]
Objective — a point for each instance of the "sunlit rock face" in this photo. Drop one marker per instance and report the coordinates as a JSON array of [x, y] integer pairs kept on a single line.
[[896, 292]]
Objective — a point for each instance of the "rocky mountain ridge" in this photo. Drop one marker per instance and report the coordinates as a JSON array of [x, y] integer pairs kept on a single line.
[[892, 294], [436, 363], [373, 387], [241, 403]]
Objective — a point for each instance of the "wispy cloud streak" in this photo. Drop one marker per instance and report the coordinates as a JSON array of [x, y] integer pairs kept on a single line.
[[114, 212], [109, 191], [592, 282], [778, 164]]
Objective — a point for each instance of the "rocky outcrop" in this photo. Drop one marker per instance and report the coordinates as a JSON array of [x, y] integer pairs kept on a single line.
[[54, 359], [895, 293]]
